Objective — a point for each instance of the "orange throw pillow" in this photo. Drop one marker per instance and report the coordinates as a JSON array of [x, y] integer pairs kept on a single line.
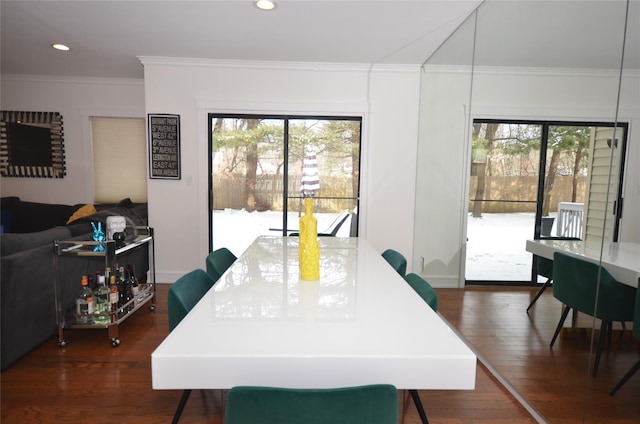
[[86, 210]]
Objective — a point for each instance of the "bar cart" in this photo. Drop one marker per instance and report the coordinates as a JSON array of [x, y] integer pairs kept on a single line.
[[101, 255]]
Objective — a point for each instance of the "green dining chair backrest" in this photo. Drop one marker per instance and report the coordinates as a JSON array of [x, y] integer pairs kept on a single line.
[[219, 261], [372, 404], [396, 260], [544, 266], [185, 293], [424, 289], [575, 283]]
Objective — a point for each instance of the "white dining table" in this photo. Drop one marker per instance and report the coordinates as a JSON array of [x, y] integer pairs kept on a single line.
[[360, 323], [620, 259]]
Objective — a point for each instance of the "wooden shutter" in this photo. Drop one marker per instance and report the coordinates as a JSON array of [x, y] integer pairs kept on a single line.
[[602, 184]]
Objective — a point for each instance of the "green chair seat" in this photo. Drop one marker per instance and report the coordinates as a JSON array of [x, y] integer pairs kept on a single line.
[[372, 404], [182, 297], [576, 286], [636, 334]]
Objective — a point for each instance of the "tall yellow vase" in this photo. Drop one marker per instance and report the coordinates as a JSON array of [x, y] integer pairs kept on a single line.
[[309, 248]]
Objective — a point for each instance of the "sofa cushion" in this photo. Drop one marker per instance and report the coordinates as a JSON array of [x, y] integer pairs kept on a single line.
[[16, 242], [30, 217]]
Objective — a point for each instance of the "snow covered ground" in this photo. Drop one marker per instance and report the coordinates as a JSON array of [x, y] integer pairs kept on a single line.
[[495, 248], [236, 229]]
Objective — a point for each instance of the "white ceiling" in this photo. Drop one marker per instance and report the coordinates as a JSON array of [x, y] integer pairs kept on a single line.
[[106, 37]]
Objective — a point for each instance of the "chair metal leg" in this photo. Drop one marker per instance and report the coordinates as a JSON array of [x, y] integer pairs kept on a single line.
[[626, 377], [542, 289], [604, 328], [418, 402], [565, 312], [183, 402]]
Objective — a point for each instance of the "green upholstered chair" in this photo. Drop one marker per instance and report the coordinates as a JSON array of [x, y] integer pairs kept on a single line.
[[636, 334], [372, 404], [544, 268], [426, 292], [182, 297], [396, 260], [424, 289], [576, 285], [219, 261]]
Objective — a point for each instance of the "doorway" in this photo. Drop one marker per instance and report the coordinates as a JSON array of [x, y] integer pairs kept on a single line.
[[257, 169], [532, 179]]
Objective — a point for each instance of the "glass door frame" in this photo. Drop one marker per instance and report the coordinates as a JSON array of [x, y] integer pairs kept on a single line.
[[211, 116], [542, 166]]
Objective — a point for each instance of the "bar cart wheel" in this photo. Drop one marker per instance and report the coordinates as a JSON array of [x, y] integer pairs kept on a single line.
[[152, 307], [115, 342], [63, 342]]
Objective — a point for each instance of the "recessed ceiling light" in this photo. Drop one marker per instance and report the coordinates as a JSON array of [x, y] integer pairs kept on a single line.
[[61, 47], [265, 4]]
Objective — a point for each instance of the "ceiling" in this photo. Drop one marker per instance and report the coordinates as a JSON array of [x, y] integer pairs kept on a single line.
[[107, 37]]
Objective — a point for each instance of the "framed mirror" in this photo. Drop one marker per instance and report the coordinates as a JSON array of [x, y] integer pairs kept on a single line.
[[31, 144]]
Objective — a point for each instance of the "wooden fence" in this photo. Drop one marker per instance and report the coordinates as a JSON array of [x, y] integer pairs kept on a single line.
[[335, 195], [506, 193]]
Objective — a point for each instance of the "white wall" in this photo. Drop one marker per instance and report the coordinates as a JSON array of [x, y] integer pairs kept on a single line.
[[387, 98], [76, 100], [506, 94]]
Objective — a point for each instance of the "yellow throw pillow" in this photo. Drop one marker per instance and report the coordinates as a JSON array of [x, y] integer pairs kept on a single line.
[[86, 210]]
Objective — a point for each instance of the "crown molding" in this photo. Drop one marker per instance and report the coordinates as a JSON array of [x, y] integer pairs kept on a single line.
[[530, 71], [71, 80], [275, 65]]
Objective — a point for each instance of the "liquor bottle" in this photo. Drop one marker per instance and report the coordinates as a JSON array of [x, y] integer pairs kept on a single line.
[[113, 294], [135, 285], [124, 291], [101, 295], [85, 302]]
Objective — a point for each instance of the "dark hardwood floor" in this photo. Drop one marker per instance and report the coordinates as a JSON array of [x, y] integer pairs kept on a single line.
[[89, 381]]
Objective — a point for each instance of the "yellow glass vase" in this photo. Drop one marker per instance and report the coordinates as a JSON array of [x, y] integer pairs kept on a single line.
[[309, 248]]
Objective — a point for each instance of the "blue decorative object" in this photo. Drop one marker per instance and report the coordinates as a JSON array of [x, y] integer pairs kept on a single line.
[[98, 235]]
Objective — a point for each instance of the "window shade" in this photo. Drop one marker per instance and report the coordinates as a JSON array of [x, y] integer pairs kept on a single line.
[[119, 159]]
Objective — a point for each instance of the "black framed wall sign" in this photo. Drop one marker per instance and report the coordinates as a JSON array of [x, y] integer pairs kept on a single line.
[[31, 144], [164, 146]]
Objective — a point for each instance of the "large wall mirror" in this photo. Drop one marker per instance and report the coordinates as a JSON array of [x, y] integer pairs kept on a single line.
[[525, 92]]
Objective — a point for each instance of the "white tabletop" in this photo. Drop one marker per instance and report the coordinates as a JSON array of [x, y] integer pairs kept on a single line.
[[359, 324], [622, 260]]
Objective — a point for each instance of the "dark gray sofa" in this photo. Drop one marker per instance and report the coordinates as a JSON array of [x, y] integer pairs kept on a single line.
[[27, 300]]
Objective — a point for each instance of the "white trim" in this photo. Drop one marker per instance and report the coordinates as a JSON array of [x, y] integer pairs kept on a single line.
[[263, 64], [529, 71], [443, 281], [284, 108], [572, 114], [71, 80], [206, 106]]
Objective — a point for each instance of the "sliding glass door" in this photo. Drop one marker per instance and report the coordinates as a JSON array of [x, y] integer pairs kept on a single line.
[[532, 179], [260, 166]]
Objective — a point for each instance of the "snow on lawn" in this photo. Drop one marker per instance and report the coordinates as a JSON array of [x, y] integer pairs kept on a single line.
[[236, 229], [495, 247]]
